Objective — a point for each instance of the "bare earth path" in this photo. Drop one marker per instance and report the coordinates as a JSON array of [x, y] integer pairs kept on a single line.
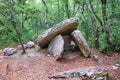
[[37, 66]]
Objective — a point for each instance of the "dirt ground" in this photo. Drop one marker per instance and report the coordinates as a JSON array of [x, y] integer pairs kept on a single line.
[[38, 66]]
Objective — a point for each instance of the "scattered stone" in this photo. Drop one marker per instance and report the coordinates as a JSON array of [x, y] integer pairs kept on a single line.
[[37, 48], [30, 44], [19, 47], [89, 73], [9, 51], [56, 47], [115, 67], [118, 65], [95, 57]]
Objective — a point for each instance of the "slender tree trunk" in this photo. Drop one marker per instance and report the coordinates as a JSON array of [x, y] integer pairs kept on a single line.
[[92, 15], [97, 37], [22, 24], [40, 22], [100, 21], [74, 8], [77, 10], [112, 16], [46, 14], [14, 24], [87, 27], [58, 10], [18, 34], [67, 8], [97, 31], [106, 28]]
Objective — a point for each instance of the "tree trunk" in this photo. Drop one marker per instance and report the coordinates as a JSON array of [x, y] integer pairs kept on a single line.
[[15, 26], [106, 28], [112, 17], [97, 38], [91, 7], [18, 34], [56, 47], [67, 8], [46, 14], [74, 5], [92, 15], [58, 10], [81, 42], [64, 27]]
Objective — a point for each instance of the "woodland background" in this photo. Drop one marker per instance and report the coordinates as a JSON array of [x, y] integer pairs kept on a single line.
[[24, 20]]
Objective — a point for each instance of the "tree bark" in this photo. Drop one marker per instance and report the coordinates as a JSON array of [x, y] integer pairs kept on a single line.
[[56, 47], [67, 8], [81, 42], [64, 27], [112, 16], [92, 15], [58, 10], [106, 28], [14, 25], [91, 8], [46, 14]]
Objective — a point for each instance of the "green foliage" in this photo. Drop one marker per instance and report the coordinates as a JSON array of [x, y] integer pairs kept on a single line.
[[116, 39], [30, 18]]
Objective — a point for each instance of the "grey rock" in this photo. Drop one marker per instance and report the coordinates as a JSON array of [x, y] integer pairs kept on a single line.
[[115, 67], [80, 41], [88, 73], [9, 51], [37, 48], [101, 78], [67, 40], [118, 65], [30, 44], [56, 47], [19, 47], [95, 57]]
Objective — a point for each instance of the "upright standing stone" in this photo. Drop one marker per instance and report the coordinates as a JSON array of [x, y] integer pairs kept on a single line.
[[56, 47], [81, 42]]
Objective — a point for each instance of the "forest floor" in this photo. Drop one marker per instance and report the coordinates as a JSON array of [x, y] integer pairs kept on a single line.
[[38, 66]]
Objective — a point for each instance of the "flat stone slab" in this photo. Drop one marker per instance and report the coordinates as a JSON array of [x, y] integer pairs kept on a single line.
[[88, 73]]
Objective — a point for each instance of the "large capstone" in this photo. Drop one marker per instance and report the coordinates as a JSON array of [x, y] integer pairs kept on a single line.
[[64, 27]]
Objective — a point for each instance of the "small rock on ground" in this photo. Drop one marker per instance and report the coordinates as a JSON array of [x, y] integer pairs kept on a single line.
[[9, 51]]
